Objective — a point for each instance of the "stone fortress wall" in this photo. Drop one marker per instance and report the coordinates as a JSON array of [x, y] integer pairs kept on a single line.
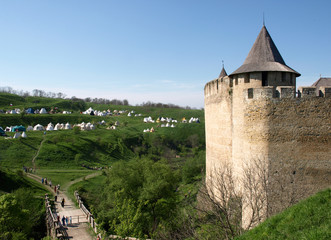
[[290, 132]]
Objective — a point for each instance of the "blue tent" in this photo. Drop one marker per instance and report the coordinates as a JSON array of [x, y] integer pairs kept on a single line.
[[18, 129], [30, 111]]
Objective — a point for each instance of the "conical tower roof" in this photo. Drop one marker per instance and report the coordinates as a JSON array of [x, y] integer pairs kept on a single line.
[[264, 56], [223, 73]]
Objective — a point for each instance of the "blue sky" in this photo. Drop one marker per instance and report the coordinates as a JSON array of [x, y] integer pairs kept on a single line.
[[152, 50]]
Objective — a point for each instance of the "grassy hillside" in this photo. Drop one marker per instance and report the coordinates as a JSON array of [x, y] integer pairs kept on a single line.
[[309, 219]]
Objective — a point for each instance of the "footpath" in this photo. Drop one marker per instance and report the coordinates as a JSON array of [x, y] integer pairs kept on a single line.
[[78, 228]]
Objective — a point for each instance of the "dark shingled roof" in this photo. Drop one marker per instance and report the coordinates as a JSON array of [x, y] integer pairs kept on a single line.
[[264, 56], [325, 82], [223, 73]]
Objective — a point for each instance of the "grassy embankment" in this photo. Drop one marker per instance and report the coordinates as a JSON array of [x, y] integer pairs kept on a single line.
[[309, 219]]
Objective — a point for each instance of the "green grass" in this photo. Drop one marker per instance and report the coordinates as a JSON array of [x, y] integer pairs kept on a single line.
[[90, 190], [11, 181], [18, 152], [63, 176], [309, 219]]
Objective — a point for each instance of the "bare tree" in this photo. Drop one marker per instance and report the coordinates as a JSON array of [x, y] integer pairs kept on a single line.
[[243, 200], [219, 198]]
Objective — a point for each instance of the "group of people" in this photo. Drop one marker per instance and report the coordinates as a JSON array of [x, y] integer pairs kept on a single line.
[[44, 181], [64, 220]]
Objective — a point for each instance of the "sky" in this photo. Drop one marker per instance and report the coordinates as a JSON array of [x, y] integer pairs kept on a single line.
[[153, 50]]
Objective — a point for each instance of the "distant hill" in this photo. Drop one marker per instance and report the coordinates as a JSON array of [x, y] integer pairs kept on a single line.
[[309, 219], [76, 106]]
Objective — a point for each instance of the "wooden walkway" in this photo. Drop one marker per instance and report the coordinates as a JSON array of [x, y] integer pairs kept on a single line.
[[78, 228]]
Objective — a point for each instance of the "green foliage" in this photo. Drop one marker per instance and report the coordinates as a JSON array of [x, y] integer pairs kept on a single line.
[[21, 215], [193, 168], [309, 219], [140, 194], [76, 130]]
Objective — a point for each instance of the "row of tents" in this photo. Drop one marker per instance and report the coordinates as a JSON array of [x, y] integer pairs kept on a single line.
[[32, 111], [170, 120]]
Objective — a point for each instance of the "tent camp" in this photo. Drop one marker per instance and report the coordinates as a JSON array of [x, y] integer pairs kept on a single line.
[[18, 129]]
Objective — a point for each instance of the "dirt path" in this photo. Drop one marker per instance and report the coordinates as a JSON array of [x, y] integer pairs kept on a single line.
[[78, 228], [37, 153]]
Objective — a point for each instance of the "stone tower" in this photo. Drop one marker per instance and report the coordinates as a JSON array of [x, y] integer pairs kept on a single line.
[[254, 117]]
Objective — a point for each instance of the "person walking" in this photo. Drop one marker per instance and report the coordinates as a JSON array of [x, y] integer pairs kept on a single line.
[[42, 180], [67, 221], [50, 183], [55, 198], [63, 220], [62, 203]]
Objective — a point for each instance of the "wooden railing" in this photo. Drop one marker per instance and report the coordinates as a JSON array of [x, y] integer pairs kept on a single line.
[[94, 225], [89, 215], [54, 229]]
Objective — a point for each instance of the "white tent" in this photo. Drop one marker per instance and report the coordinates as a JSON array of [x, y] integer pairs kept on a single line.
[[129, 114], [17, 135], [43, 111], [49, 128], [58, 126], [24, 135], [30, 128], [92, 127], [82, 126], [38, 127], [67, 126]]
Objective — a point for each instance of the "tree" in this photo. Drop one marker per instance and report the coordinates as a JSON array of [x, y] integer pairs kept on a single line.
[[140, 194]]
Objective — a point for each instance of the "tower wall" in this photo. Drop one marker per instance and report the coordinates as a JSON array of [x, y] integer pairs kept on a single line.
[[247, 123], [218, 123]]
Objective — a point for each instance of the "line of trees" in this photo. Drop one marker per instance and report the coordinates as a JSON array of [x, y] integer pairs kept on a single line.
[[125, 102], [42, 93]]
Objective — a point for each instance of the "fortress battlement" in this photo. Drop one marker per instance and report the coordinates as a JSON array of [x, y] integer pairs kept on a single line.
[[214, 88]]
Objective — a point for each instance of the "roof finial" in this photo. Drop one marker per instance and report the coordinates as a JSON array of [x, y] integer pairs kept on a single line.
[[263, 20], [222, 63]]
